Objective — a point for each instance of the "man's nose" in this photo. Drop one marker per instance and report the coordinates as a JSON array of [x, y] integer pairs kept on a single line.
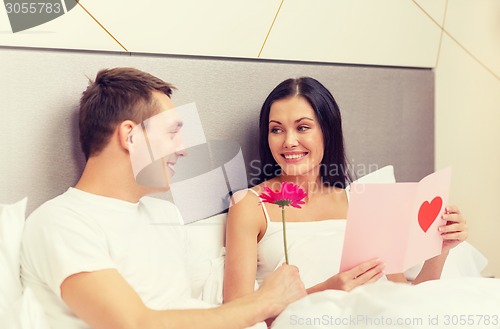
[[182, 152], [180, 149]]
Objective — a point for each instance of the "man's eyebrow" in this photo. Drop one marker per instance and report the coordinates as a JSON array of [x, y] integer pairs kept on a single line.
[[176, 124]]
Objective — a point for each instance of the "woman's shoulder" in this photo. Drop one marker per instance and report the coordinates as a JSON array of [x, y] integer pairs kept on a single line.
[[245, 212], [247, 200], [255, 190]]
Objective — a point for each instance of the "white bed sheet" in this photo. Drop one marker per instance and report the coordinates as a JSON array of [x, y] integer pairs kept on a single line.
[[453, 303]]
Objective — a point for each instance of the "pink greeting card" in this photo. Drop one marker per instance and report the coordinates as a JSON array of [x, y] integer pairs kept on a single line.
[[397, 223]]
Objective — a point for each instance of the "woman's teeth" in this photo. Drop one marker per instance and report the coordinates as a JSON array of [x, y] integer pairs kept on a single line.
[[293, 156]]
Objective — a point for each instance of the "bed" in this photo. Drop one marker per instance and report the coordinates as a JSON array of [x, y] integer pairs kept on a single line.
[[383, 303], [42, 159]]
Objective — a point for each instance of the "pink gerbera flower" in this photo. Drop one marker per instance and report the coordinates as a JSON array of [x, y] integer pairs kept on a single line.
[[289, 195]]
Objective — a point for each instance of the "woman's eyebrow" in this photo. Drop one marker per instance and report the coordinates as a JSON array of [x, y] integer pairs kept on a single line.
[[296, 121], [303, 118]]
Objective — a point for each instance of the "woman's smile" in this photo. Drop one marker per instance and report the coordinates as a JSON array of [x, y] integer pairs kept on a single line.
[[294, 157]]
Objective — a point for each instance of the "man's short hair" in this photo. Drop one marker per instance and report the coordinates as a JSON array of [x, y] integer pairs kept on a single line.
[[116, 95]]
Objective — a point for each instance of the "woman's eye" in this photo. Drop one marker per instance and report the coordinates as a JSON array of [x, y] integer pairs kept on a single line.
[[303, 128], [275, 130]]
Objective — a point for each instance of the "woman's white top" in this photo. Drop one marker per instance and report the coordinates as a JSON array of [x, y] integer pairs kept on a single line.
[[315, 247]]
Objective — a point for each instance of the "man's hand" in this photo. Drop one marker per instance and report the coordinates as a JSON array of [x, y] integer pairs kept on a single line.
[[281, 288]]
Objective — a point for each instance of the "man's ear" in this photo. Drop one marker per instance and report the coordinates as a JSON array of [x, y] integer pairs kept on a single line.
[[125, 133]]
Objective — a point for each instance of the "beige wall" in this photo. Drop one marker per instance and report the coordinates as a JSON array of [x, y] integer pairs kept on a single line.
[[468, 117], [382, 32]]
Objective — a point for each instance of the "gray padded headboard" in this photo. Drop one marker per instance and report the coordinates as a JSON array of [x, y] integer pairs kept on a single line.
[[388, 112]]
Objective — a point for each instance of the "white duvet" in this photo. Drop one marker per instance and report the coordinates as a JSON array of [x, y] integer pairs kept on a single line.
[[451, 303]]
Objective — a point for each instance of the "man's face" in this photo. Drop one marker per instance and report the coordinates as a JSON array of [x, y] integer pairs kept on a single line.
[[160, 141], [163, 132]]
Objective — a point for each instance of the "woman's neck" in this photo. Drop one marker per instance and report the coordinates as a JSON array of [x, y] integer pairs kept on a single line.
[[309, 183]]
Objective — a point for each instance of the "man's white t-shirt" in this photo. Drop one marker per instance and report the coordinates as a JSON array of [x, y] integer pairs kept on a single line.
[[82, 232]]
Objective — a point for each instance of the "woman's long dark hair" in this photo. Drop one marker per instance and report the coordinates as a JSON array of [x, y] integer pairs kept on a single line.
[[333, 168]]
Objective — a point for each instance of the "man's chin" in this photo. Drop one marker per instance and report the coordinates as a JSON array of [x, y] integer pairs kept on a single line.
[[154, 190]]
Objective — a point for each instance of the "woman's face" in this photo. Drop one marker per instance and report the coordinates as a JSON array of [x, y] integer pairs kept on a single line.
[[295, 138]]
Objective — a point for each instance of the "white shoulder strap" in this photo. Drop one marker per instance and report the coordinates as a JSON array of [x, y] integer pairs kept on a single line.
[[262, 204]]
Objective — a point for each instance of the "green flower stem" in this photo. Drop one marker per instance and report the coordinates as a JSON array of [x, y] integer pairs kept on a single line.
[[284, 232]]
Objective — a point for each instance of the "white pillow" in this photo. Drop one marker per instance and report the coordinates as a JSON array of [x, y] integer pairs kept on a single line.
[[384, 175], [206, 255], [463, 261], [18, 309], [205, 243], [25, 313], [11, 231]]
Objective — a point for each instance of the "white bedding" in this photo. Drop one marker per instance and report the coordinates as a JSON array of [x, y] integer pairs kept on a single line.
[[448, 302], [452, 303]]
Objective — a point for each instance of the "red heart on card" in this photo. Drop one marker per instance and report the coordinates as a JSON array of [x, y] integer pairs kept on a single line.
[[428, 213]]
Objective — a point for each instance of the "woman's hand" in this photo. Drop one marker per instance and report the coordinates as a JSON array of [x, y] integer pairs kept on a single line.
[[455, 231], [361, 274]]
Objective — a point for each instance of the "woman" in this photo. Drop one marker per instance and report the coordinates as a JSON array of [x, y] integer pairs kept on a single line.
[[301, 142]]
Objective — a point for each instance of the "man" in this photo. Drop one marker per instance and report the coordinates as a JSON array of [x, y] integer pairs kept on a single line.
[[93, 256]]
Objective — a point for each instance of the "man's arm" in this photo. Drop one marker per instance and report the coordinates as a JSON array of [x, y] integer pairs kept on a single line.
[[105, 300]]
